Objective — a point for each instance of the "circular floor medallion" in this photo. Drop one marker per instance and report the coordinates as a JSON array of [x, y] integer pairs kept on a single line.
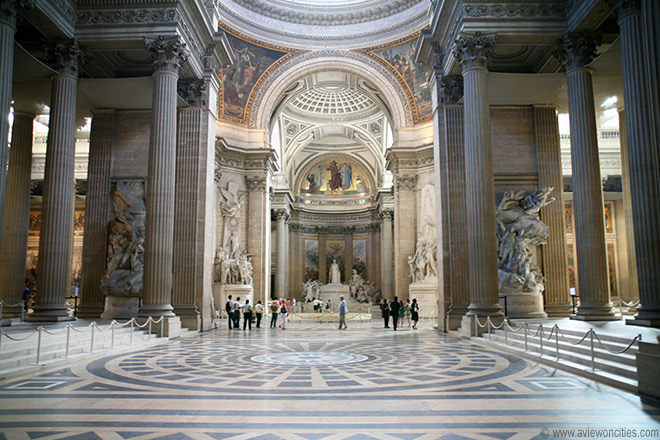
[[310, 358]]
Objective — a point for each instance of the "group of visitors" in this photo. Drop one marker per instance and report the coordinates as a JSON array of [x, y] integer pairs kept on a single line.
[[234, 308], [399, 311], [281, 307]]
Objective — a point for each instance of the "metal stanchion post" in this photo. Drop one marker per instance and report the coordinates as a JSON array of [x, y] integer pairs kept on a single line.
[[540, 329], [112, 334], [91, 347], [68, 339], [162, 326], [149, 321], [476, 324], [506, 334], [557, 340], [488, 324], [593, 363], [39, 343], [131, 338], [526, 328]]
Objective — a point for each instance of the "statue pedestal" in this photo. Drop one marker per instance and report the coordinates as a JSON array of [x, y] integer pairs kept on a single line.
[[333, 291], [121, 307], [222, 291], [522, 306], [426, 293]]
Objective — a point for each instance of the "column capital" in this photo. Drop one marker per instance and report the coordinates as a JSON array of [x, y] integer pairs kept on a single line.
[[255, 183], [10, 9], [577, 49], [168, 53], [217, 175], [626, 7], [281, 214], [192, 91], [405, 181], [386, 215], [65, 56], [348, 230], [474, 50], [322, 230], [450, 89]]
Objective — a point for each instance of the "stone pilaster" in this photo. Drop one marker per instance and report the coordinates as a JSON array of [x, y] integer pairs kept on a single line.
[[404, 230], [17, 212], [631, 291], [323, 250], [555, 265], [296, 261], [281, 217], [9, 10], [258, 235], [473, 51], [578, 50], [56, 232], [348, 253], [168, 55], [387, 217], [639, 59], [97, 212]]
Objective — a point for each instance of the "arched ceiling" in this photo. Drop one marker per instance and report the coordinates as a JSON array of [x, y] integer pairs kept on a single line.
[[318, 24]]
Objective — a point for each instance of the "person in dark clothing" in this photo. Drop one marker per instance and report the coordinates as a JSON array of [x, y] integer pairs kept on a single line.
[[247, 315], [385, 311], [395, 305]]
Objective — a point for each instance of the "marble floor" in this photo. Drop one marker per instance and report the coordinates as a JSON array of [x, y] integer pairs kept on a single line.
[[315, 382]]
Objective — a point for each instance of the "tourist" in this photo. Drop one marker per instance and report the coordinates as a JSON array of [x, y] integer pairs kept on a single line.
[[293, 305], [414, 310], [327, 306], [229, 308], [236, 313], [401, 312], [342, 312], [247, 315], [406, 311], [274, 311], [27, 296], [385, 312], [259, 311], [283, 311], [395, 306]]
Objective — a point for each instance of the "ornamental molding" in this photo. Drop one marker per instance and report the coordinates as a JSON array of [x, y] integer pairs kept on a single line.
[[405, 181], [128, 16], [514, 10], [256, 183], [65, 8], [289, 65]]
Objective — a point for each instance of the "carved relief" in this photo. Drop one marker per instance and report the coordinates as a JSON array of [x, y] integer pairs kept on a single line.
[[405, 181], [127, 16], [256, 183], [534, 10]]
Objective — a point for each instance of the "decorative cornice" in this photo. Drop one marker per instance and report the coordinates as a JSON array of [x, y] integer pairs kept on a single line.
[[577, 49], [128, 16], [192, 91], [65, 57], [256, 183], [168, 53], [514, 10], [473, 50]]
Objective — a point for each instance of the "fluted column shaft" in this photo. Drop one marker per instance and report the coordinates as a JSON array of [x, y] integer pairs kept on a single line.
[[282, 260], [259, 234], [97, 212], [348, 254], [159, 228], [590, 244], [555, 265], [388, 257], [17, 211], [643, 148], [56, 230], [323, 250], [473, 51]]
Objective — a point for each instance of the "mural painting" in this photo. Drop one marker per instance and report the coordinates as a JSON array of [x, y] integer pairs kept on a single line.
[[417, 76], [240, 78], [334, 177], [360, 256], [335, 251], [311, 259], [611, 269]]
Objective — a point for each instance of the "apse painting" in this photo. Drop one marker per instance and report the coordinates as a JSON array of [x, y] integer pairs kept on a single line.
[[334, 180], [240, 78], [335, 251], [311, 259], [417, 76], [360, 256]]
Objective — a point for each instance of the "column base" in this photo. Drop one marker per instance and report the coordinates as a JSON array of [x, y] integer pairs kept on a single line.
[[171, 329], [156, 311], [646, 316], [468, 325], [644, 322], [47, 318], [483, 310], [455, 315], [8, 322], [189, 316], [648, 369], [49, 313], [595, 312], [559, 310], [90, 310]]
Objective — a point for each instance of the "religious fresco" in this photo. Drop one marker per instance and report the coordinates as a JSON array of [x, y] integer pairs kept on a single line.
[[334, 180], [35, 222], [415, 75], [241, 78], [311, 259], [360, 256], [335, 251], [611, 269]]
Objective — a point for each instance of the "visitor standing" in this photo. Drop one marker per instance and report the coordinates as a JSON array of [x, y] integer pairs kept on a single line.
[[283, 312], [259, 311], [274, 311], [414, 310], [236, 312], [229, 308], [395, 306], [342, 312], [385, 312], [247, 315]]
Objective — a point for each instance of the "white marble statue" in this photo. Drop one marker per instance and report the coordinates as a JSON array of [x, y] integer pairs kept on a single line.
[[519, 231], [355, 283], [334, 276], [231, 202], [423, 264], [230, 270]]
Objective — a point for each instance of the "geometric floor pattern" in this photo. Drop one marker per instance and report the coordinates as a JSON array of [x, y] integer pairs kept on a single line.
[[316, 383]]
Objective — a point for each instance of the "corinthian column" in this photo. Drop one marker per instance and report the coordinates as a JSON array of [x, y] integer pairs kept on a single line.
[[578, 50], [9, 10], [555, 265], [168, 56], [57, 208], [17, 211], [638, 60], [97, 212], [473, 50], [387, 217], [281, 217]]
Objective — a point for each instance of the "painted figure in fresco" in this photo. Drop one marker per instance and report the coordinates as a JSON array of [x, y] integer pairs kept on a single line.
[[346, 176], [335, 176], [313, 186]]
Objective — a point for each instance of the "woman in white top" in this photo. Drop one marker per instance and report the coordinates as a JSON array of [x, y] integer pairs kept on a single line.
[[259, 310], [284, 311]]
